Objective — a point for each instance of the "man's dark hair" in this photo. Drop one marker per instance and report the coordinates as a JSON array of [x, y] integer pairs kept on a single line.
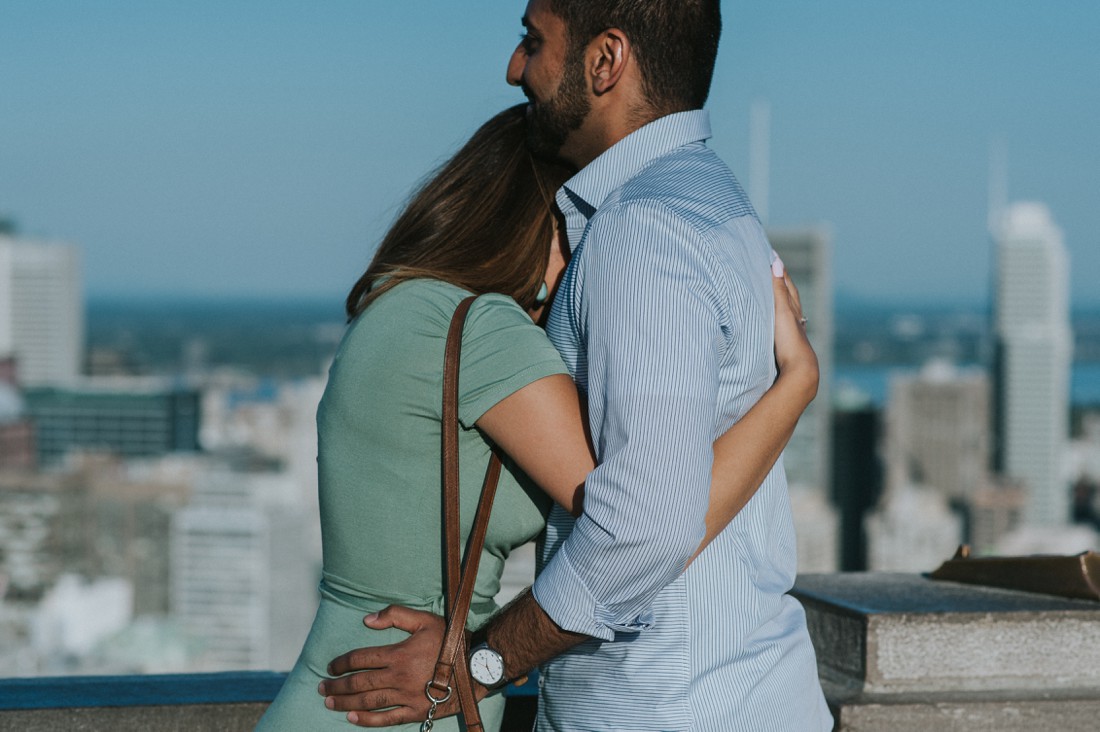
[[674, 41]]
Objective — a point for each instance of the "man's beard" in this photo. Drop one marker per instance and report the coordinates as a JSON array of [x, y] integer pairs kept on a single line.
[[549, 123]]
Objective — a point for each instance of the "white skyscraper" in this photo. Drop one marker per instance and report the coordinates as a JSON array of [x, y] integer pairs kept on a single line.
[[41, 310], [1034, 345]]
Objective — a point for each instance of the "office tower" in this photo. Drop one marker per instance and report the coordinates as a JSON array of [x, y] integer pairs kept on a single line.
[[857, 476], [938, 430], [41, 310], [805, 253], [220, 572], [913, 528], [129, 417], [1033, 353], [244, 573]]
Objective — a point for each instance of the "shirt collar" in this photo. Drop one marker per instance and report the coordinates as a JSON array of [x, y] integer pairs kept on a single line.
[[582, 194]]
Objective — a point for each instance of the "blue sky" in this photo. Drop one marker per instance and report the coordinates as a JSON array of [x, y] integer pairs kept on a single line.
[[261, 148]]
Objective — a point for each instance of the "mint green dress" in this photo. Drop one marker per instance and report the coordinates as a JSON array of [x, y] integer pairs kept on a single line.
[[378, 430]]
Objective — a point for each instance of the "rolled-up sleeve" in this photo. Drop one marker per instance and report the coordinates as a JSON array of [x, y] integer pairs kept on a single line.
[[648, 313]]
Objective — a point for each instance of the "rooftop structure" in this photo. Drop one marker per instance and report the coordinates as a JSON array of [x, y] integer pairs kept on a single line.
[[129, 418]]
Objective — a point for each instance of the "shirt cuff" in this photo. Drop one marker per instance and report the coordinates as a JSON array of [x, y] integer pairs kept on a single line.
[[565, 597]]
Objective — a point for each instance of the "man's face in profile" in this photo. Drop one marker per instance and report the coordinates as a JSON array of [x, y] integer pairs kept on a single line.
[[551, 74]]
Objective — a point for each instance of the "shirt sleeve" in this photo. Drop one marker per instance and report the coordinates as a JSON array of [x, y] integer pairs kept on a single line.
[[649, 317], [502, 352]]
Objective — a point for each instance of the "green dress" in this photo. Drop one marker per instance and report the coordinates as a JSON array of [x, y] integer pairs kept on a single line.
[[378, 428]]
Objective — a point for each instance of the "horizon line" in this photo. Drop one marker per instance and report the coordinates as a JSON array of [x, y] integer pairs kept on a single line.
[[842, 300]]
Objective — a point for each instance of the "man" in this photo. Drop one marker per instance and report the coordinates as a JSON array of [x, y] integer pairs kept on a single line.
[[664, 317]]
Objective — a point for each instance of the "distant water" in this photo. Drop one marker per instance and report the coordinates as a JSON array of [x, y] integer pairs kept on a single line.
[[1086, 383], [874, 381]]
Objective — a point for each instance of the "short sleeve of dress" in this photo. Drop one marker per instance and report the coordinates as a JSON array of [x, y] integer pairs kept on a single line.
[[502, 352]]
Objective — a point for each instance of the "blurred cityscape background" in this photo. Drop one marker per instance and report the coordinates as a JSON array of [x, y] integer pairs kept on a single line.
[[176, 238]]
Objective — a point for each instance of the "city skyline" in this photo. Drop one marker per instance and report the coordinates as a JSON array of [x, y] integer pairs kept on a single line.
[[262, 149]]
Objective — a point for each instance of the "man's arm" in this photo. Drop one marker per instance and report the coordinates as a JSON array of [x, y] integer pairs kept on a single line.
[[391, 678], [649, 316]]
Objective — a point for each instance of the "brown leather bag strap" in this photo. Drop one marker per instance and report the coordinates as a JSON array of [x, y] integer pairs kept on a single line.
[[461, 573]]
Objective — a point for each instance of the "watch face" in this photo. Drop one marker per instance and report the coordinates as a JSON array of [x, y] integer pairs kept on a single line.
[[486, 666]]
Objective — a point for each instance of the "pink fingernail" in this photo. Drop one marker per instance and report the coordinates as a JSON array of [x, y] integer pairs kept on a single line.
[[370, 618], [353, 717], [330, 702], [777, 266]]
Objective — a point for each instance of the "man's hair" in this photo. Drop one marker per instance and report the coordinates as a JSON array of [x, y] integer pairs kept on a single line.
[[674, 41]]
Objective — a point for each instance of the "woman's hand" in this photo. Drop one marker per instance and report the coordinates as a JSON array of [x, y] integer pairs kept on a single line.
[[794, 356]]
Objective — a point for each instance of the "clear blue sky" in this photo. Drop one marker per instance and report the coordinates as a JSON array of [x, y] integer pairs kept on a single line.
[[260, 147]]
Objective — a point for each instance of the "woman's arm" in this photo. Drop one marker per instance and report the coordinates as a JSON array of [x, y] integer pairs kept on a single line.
[[543, 428], [747, 451]]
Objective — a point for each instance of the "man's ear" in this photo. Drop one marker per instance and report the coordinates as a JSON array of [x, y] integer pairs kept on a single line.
[[608, 55]]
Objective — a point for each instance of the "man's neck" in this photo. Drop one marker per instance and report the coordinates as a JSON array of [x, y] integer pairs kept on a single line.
[[601, 130]]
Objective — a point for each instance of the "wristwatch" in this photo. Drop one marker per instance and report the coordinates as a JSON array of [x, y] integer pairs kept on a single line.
[[486, 666]]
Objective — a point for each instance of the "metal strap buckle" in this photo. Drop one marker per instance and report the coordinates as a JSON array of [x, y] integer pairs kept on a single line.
[[429, 720]]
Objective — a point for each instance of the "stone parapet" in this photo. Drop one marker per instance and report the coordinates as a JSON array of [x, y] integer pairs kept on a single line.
[[210, 702], [213, 702], [900, 652]]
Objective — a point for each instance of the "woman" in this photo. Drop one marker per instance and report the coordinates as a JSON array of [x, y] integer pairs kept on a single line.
[[482, 224]]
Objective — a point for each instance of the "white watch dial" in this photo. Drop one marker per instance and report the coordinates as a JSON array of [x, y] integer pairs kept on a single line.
[[486, 666]]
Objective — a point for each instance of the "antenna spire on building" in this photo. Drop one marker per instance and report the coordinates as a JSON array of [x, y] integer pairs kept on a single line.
[[998, 184]]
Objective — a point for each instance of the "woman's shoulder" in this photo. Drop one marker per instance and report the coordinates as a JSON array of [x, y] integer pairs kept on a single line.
[[416, 314], [423, 290], [436, 300]]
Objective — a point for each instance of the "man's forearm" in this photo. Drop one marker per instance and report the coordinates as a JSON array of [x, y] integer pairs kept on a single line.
[[525, 636]]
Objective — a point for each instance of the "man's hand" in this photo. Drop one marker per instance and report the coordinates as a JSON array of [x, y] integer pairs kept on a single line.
[[389, 677]]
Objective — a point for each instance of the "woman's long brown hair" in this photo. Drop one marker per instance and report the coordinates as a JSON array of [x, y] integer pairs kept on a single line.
[[483, 222]]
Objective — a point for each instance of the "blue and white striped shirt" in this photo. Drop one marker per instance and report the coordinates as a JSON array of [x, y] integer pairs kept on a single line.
[[665, 319]]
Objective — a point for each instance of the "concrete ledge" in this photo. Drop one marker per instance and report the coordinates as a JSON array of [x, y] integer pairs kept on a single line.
[[218, 702], [1071, 711], [902, 652], [50, 692], [189, 718], [224, 702]]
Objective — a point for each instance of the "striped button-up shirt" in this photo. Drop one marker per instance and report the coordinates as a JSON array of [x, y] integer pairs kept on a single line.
[[665, 319]]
